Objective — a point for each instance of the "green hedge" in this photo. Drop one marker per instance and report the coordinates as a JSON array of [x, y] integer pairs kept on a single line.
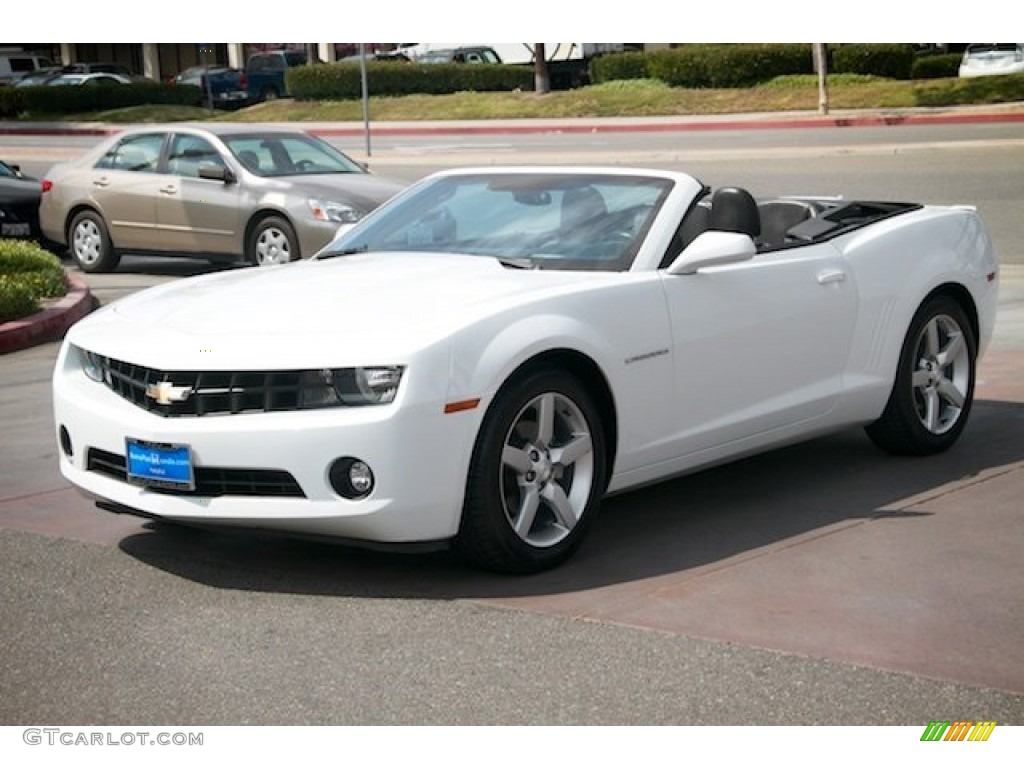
[[740, 65], [72, 99], [932, 67], [27, 274], [894, 60], [342, 80], [705, 65]]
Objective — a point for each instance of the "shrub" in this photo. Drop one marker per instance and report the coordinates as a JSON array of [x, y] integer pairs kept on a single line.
[[27, 274], [895, 60], [930, 67], [72, 99], [343, 80], [972, 90], [631, 65], [707, 65]]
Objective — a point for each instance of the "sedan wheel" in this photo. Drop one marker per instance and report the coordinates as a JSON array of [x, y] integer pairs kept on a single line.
[[272, 241], [934, 387], [537, 477], [89, 243]]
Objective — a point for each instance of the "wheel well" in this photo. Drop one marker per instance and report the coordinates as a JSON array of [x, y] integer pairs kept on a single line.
[[592, 378], [71, 217], [963, 297], [259, 216]]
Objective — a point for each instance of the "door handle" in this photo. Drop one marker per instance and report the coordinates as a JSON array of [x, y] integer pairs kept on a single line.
[[101, 182], [170, 189], [827, 276]]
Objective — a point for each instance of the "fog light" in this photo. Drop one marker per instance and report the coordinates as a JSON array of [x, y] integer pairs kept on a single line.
[[351, 478], [65, 442]]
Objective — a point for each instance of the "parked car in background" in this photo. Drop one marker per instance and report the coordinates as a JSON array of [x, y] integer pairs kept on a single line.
[[89, 67], [15, 64], [220, 86], [93, 79], [19, 203], [265, 72], [473, 55], [217, 191], [982, 59], [38, 77]]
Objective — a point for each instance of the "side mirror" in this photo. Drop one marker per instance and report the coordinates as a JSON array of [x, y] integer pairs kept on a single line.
[[713, 249], [216, 172]]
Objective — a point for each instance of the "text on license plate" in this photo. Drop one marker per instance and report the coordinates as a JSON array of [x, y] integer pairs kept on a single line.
[[162, 465]]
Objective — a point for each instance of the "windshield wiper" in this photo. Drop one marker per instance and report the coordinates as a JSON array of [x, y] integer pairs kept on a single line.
[[343, 252], [517, 262]]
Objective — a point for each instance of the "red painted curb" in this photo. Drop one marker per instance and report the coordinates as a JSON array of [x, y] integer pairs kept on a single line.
[[51, 323]]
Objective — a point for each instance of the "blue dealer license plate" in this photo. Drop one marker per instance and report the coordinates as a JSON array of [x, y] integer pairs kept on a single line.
[[160, 465]]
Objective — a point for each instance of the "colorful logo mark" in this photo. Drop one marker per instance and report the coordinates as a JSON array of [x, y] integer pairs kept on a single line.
[[958, 730]]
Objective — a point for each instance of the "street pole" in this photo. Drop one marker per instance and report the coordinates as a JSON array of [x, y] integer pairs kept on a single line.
[[821, 67], [366, 97]]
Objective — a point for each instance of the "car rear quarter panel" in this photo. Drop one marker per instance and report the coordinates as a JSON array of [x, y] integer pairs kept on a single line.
[[896, 265]]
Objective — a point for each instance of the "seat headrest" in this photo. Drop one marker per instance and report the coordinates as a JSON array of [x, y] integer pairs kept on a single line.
[[734, 210]]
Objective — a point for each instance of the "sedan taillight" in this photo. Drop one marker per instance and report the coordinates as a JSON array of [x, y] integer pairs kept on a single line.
[[46, 185]]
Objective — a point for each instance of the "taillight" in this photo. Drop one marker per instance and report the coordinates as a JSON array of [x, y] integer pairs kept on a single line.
[[243, 82], [46, 185]]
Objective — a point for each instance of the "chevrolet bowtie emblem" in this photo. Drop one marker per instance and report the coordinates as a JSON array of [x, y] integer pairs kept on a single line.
[[166, 393]]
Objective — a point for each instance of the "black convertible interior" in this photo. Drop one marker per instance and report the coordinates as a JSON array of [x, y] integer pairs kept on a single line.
[[777, 223]]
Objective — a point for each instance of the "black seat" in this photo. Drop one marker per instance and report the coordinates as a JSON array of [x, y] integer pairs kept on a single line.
[[779, 216], [734, 210]]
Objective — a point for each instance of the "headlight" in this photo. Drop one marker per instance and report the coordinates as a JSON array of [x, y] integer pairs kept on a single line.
[[92, 364], [328, 210], [349, 386]]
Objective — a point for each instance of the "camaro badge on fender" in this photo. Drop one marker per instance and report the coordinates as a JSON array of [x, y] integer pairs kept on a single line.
[[166, 393]]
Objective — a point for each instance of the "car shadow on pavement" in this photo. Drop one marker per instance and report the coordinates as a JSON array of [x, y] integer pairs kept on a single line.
[[690, 523]]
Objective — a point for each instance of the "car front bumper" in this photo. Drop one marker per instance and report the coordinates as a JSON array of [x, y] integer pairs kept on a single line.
[[417, 453]]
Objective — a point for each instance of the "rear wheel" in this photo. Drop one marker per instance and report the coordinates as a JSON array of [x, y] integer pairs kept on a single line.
[[934, 389], [272, 241], [537, 475], [90, 244]]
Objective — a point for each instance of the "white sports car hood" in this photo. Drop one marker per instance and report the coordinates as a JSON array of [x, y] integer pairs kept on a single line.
[[365, 309]]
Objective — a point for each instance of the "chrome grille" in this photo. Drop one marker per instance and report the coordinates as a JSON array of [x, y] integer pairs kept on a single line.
[[205, 393], [210, 481]]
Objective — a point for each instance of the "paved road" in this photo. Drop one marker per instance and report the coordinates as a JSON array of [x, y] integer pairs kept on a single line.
[[823, 583]]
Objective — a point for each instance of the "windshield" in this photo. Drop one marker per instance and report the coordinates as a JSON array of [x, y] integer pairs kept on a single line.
[[547, 221], [288, 155]]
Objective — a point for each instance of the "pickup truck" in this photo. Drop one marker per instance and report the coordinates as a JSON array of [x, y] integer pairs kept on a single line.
[[266, 70], [220, 87]]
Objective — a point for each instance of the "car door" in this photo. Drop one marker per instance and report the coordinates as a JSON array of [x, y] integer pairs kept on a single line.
[[197, 215], [124, 185], [759, 346]]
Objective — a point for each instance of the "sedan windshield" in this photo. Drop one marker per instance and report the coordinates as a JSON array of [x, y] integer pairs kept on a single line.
[[547, 221], [288, 155]]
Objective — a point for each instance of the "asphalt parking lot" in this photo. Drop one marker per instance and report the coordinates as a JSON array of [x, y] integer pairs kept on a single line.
[[824, 583]]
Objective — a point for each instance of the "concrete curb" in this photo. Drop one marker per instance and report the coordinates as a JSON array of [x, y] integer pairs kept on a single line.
[[51, 323]]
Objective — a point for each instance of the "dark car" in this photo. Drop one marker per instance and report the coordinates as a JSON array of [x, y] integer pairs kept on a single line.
[[19, 203], [221, 87], [471, 55]]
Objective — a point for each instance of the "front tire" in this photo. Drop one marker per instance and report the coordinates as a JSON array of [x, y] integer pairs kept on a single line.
[[537, 475], [90, 245], [934, 389], [272, 241]]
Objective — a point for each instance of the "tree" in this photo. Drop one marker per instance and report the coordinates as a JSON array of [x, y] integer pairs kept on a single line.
[[541, 76]]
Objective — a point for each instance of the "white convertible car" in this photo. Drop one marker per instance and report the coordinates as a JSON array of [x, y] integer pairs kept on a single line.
[[483, 358]]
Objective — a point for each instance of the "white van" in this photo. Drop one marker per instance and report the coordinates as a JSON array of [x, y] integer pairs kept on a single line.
[[14, 64]]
